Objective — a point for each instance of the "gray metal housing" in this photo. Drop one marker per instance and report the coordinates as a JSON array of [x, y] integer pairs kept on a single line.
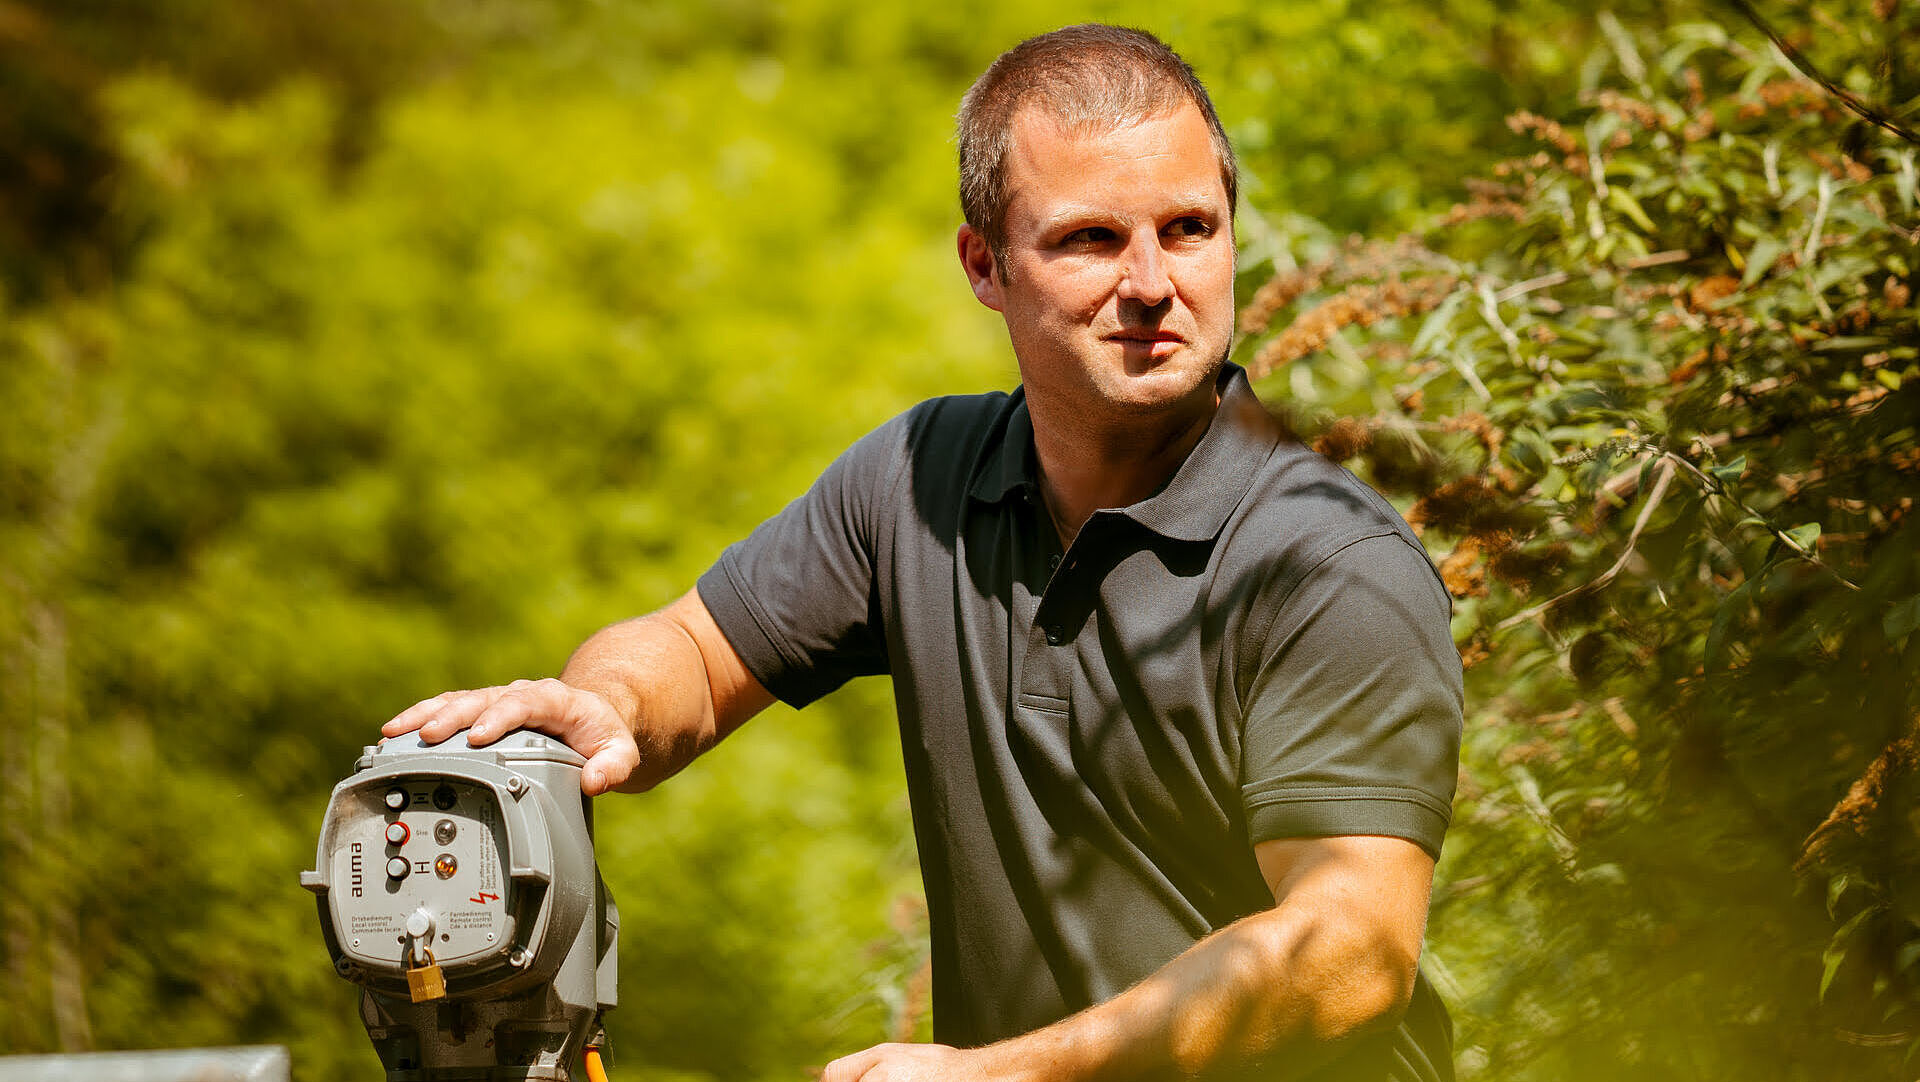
[[536, 961]]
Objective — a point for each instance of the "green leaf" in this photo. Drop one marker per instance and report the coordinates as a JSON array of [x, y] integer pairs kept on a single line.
[[1729, 472], [1805, 535], [1901, 620], [1624, 202], [1765, 252], [1436, 323], [1836, 887], [1888, 378], [1832, 959], [1844, 343], [1836, 952], [1723, 617]]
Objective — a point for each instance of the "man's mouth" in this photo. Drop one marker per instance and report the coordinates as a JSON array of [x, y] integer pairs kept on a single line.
[[1157, 343], [1142, 335]]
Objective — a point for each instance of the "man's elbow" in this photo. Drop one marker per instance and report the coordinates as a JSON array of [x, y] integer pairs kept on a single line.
[[1367, 983]]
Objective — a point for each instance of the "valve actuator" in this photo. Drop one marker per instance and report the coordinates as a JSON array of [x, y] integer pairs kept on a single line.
[[457, 886]]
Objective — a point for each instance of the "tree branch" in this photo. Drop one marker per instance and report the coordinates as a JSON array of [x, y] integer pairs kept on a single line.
[[1633, 539], [1840, 93]]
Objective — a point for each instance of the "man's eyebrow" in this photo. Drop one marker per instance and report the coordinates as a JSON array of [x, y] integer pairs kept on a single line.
[[1082, 213], [1076, 215]]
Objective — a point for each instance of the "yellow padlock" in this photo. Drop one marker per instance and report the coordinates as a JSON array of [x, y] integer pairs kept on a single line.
[[426, 981]]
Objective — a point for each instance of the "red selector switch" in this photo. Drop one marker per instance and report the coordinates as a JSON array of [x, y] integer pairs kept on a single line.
[[397, 834]]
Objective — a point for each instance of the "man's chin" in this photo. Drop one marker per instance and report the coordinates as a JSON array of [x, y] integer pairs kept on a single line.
[[1154, 385]]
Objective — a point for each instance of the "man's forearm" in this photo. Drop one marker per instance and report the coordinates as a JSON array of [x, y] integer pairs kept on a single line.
[[1268, 991], [1283, 990], [650, 672], [672, 679]]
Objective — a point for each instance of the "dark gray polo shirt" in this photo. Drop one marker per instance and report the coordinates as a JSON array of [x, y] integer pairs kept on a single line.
[[1096, 739]]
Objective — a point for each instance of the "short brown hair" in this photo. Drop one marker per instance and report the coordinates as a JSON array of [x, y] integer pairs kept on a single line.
[[1082, 76]]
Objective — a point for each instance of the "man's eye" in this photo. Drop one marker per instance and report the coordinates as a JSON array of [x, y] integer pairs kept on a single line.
[[1093, 234], [1190, 227]]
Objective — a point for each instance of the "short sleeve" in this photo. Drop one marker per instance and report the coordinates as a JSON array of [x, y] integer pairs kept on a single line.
[[797, 597], [1352, 725]]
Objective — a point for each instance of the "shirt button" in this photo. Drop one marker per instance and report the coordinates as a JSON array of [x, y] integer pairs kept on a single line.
[[1053, 562], [1055, 635]]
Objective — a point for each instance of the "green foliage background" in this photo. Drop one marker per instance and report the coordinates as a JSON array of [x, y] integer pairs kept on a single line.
[[352, 351]]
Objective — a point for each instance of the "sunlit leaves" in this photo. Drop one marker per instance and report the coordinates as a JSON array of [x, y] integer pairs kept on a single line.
[[1684, 315]]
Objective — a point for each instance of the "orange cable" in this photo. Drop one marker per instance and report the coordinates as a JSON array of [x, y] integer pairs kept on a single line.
[[595, 1071]]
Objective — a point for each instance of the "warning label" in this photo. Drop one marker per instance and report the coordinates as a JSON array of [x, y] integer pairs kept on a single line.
[[489, 850]]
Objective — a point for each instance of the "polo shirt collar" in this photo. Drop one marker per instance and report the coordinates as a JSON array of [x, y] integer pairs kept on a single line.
[[1206, 488]]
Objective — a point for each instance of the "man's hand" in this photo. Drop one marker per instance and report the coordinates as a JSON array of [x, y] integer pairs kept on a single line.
[[912, 1063], [639, 699], [584, 720]]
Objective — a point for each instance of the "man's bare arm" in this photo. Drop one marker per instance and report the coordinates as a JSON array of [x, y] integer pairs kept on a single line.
[[640, 699], [1282, 991]]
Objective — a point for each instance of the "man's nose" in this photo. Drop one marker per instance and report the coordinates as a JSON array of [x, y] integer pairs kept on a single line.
[[1144, 273]]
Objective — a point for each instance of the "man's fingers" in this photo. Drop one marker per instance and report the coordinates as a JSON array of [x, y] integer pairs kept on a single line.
[[459, 712], [417, 715], [584, 720], [546, 705], [850, 1068], [609, 767]]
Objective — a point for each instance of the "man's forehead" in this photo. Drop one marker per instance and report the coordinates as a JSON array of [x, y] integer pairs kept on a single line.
[[1045, 144], [1038, 120]]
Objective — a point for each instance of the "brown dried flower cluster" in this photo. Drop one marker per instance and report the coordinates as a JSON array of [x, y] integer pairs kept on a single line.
[[1489, 434], [1798, 97], [1632, 110], [1696, 361], [1864, 816], [1463, 571], [1464, 505], [1854, 318], [1344, 439], [1531, 751], [1527, 169], [1478, 209], [1547, 131], [1279, 291], [1846, 168], [1573, 159], [1520, 568], [1700, 126], [1358, 258], [1475, 651], [1362, 304], [1711, 289]]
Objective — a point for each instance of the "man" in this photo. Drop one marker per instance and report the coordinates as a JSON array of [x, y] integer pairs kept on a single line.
[[1178, 701]]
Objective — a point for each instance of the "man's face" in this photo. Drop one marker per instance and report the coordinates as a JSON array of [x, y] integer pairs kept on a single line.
[[1118, 294]]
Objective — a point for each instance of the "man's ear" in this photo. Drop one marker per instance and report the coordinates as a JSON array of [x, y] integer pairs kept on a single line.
[[976, 258]]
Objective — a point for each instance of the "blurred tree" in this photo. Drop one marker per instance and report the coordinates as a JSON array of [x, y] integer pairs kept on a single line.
[[58, 230]]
